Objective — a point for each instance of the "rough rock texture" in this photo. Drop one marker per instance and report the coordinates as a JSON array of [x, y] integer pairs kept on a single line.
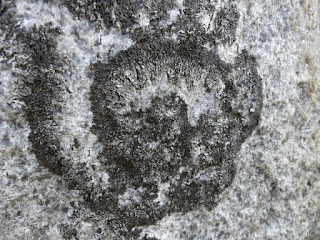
[[159, 119], [171, 113]]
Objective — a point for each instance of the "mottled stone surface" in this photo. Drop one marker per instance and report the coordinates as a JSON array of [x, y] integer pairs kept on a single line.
[[175, 114], [159, 119]]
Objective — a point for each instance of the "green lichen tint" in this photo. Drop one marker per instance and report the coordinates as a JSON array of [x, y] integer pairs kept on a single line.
[[172, 118]]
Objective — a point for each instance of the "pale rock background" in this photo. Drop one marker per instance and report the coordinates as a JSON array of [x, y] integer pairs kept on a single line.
[[276, 192]]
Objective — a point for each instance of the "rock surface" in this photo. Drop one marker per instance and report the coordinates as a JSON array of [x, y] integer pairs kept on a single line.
[[159, 119]]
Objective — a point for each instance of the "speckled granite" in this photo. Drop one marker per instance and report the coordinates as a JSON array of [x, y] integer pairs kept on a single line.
[[159, 119]]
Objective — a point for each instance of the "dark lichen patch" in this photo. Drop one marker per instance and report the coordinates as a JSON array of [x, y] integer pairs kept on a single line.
[[41, 78], [163, 18], [69, 233], [145, 103], [40, 92], [35, 57], [123, 15], [225, 24]]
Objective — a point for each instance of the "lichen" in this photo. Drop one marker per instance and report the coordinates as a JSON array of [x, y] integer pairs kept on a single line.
[[141, 104], [170, 113]]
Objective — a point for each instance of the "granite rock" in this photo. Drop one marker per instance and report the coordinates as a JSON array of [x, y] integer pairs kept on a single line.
[[159, 119]]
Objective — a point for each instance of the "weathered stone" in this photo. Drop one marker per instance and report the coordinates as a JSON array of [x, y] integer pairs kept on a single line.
[[159, 119]]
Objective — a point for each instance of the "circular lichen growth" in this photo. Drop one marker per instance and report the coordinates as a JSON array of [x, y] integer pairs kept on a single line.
[[171, 117]]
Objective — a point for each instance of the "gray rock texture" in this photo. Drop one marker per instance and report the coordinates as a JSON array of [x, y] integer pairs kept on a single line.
[[159, 119]]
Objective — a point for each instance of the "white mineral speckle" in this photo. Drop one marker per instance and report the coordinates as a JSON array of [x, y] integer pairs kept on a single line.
[[163, 189], [144, 20], [198, 100], [227, 52], [174, 13], [36, 13], [130, 196]]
